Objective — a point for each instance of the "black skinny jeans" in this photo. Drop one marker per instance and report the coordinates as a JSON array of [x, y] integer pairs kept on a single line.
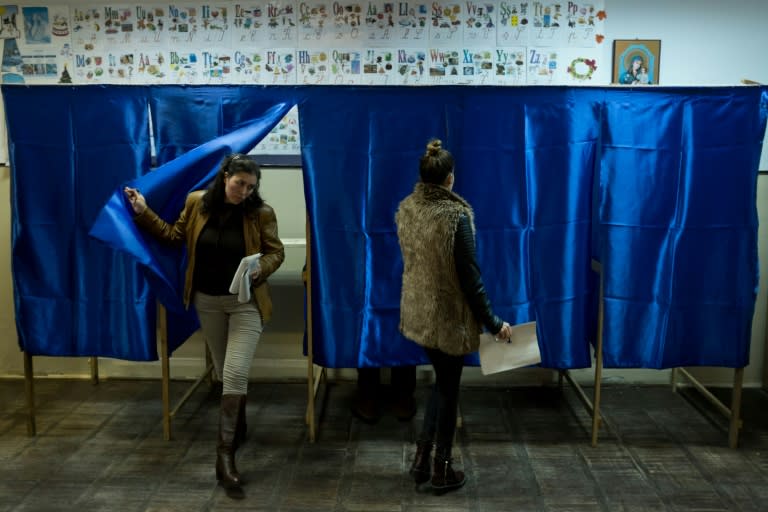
[[442, 407]]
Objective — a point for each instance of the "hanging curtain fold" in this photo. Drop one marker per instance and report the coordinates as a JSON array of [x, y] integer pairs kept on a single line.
[[524, 160], [529, 170], [73, 295], [678, 225]]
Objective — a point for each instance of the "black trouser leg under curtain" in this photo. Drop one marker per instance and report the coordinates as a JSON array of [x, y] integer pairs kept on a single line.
[[366, 405], [403, 380], [403, 386], [368, 381]]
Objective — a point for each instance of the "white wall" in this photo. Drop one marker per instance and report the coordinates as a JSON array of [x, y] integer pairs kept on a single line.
[[704, 42]]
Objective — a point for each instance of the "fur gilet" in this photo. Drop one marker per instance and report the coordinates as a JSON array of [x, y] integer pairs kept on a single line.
[[433, 310]]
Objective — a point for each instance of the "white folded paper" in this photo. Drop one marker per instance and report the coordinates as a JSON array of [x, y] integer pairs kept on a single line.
[[241, 281], [521, 350]]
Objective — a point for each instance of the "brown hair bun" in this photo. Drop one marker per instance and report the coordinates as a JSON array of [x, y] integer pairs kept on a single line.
[[433, 147]]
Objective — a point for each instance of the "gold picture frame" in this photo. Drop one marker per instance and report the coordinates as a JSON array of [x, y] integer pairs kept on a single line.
[[636, 61]]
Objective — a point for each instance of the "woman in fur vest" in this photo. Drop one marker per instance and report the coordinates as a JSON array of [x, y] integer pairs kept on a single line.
[[443, 306]]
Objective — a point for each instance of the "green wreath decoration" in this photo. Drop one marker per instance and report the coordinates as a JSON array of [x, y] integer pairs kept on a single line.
[[587, 75]]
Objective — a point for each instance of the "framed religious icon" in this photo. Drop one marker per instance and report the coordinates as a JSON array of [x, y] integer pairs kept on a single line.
[[636, 61]]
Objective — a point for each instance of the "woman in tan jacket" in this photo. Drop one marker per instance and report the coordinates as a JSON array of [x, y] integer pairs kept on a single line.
[[220, 226]]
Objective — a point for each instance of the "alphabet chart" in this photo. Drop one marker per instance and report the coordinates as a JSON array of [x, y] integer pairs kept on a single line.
[[309, 42]]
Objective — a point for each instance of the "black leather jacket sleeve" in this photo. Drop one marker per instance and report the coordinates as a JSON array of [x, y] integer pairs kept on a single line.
[[469, 276]]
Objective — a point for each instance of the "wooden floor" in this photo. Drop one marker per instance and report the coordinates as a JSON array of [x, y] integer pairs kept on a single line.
[[101, 448]]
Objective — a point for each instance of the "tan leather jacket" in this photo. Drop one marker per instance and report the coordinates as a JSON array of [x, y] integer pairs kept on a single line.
[[260, 231]]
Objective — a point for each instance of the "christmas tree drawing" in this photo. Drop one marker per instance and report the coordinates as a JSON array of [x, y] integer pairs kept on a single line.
[[65, 78]]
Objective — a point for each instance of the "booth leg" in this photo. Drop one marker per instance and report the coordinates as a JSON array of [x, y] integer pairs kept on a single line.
[[735, 423], [93, 362], [596, 400], [166, 397], [310, 416], [313, 381], [598, 360], [166, 374], [209, 364], [29, 387]]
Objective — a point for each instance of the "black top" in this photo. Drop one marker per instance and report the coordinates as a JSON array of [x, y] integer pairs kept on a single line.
[[469, 276], [220, 247]]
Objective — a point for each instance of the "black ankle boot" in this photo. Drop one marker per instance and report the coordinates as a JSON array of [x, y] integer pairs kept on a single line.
[[444, 478], [420, 469]]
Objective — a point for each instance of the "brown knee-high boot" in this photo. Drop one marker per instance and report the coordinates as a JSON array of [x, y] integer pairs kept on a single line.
[[241, 430], [226, 472]]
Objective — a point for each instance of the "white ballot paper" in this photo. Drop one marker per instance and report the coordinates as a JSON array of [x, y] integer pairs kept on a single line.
[[522, 349], [241, 281]]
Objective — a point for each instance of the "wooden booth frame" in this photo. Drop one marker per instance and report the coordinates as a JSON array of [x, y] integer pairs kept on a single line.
[[317, 375], [732, 413]]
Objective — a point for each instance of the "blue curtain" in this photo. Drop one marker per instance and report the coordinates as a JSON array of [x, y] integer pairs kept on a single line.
[[524, 160], [678, 225], [184, 118], [658, 184], [191, 164], [69, 146]]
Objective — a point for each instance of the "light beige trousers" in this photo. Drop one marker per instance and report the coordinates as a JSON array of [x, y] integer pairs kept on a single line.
[[231, 330]]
